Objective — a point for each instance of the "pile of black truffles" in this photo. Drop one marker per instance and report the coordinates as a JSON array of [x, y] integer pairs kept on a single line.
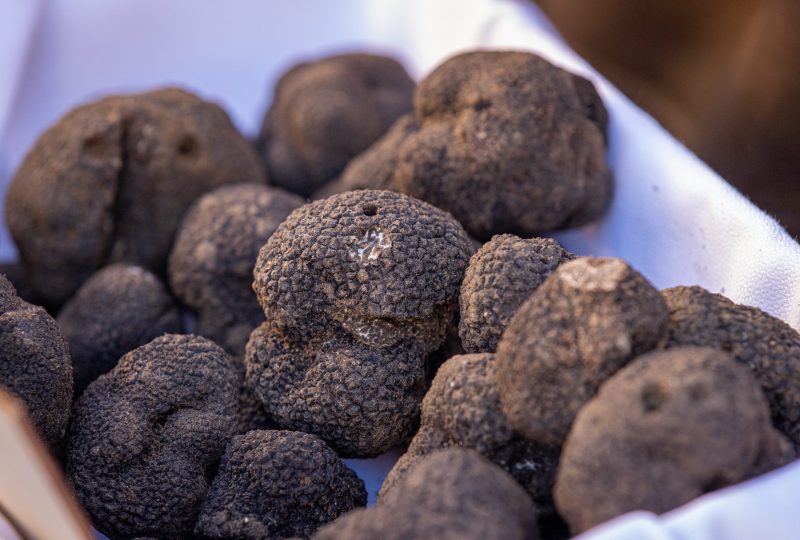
[[212, 347]]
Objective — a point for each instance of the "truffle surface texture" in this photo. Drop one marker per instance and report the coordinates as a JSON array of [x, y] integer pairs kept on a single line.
[[147, 436], [667, 428], [277, 484], [118, 309], [110, 181], [211, 264], [326, 112]]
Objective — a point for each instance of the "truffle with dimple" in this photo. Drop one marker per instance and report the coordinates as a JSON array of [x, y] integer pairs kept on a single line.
[[326, 112], [667, 428], [211, 264], [276, 484], [587, 320], [110, 181], [768, 346], [35, 364], [450, 494], [505, 141], [118, 309], [500, 276], [146, 437], [358, 289]]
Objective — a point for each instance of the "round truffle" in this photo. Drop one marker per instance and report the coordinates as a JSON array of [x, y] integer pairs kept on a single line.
[[211, 264], [667, 428], [587, 320], [500, 276], [110, 181], [35, 364], [277, 484], [768, 346], [146, 437], [326, 112], [118, 309]]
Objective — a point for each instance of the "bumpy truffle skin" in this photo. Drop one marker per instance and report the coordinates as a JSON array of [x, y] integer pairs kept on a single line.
[[667, 428], [118, 309], [277, 484], [450, 494], [500, 276], [326, 112], [211, 264], [587, 320], [768, 346], [35, 364], [358, 289], [146, 437], [110, 181]]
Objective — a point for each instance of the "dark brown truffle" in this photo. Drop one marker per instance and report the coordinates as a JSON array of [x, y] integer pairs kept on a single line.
[[35, 364], [768, 346], [277, 484], [146, 437], [250, 412], [109, 182], [665, 429], [500, 276], [326, 112], [211, 264], [358, 289], [118, 309], [450, 494], [587, 320]]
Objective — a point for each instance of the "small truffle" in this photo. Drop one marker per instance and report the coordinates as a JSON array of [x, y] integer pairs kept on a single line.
[[118, 309], [250, 412], [277, 484], [146, 437], [358, 290], [211, 264], [500, 276], [326, 112], [586, 321], [768, 346], [667, 428], [110, 181], [35, 364], [450, 494]]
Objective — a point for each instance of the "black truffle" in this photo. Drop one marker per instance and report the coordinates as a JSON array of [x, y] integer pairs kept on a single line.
[[768, 346], [35, 364], [665, 429], [276, 484], [119, 308], [146, 437], [326, 112], [500, 276], [109, 182], [450, 494], [587, 320], [250, 412], [211, 264], [358, 289]]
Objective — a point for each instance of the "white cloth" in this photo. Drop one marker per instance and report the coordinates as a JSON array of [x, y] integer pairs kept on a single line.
[[673, 218]]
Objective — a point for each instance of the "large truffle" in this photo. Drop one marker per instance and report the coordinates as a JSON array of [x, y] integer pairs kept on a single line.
[[146, 437], [119, 308], [358, 289], [211, 264], [110, 181], [505, 141], [500, 276], [665, 429], [768, 346], [587, 320], [35, 364], [326, 112], [450, 494], [277, 484]]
